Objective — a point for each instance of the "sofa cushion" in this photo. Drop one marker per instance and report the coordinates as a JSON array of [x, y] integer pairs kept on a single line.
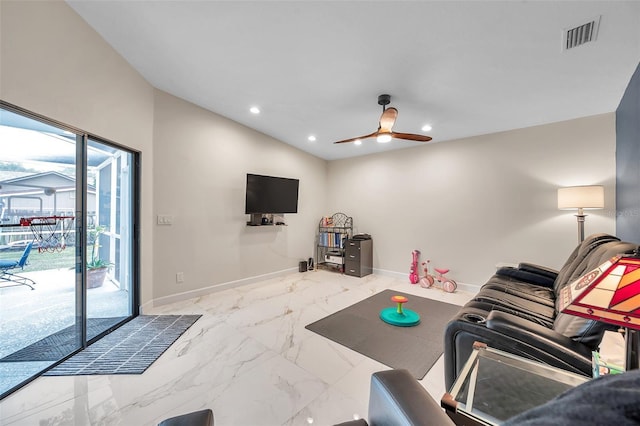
[[526, 290], [516, 303], [586, 331], [529, 277]]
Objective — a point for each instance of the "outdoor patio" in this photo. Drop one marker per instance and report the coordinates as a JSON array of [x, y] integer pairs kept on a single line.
[[28, 316]]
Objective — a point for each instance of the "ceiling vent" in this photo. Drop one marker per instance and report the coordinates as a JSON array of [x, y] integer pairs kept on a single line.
[[581, 34]]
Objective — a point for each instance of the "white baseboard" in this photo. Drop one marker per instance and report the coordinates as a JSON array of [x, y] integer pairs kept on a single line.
[[506, 265], [471, 288], [212, 289], [178, 297]]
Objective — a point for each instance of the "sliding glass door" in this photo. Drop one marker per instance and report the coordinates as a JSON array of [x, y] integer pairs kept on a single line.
[[67, 243], [109, 250]]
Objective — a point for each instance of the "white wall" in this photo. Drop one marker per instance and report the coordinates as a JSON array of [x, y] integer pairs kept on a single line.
[[471, 203], [201, 160], [54, 64], [466, 204]]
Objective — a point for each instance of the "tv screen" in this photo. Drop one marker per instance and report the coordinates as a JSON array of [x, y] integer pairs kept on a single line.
[[269, 194]]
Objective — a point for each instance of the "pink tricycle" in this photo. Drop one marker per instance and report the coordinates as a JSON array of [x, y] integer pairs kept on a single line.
[[445, 283]]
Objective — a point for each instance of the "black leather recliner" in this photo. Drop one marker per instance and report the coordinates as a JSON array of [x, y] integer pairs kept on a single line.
[[396, 398], [516, 311]]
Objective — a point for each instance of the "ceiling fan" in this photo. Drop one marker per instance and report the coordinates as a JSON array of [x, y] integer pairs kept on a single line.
[[387, 119]]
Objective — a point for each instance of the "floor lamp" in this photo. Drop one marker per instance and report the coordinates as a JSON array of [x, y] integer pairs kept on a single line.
[[610, 294], [581, 198]]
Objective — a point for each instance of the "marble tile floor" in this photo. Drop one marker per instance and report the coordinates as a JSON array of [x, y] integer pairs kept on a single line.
[[249, 358]]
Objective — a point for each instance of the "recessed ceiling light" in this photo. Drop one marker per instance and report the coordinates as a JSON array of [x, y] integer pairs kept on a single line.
[[312, 138], [357, 142], [254, 110], [426, 128]]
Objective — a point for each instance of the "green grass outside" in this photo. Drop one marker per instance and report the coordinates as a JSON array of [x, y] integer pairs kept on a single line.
[[44, 260]]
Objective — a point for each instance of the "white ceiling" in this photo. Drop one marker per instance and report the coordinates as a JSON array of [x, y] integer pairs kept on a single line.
[[317, 67]]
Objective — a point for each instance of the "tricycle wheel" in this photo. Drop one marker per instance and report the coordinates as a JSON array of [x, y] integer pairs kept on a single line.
[[449, 286]]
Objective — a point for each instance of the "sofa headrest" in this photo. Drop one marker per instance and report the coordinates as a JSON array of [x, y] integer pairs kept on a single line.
[[596, 257], [586, 331], [577, 257]]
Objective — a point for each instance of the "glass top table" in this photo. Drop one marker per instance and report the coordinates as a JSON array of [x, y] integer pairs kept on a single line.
[[494, 386]]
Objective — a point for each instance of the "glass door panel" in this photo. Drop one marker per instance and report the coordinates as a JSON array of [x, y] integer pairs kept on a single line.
[[38, 280], [109, 221], [67, 208]]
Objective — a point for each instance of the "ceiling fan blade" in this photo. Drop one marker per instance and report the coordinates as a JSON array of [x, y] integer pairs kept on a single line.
[[359, 137], [384, 133], [411, 137], [387, 119]]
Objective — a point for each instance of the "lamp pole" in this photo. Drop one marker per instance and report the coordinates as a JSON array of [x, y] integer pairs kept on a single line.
[[580, 217]]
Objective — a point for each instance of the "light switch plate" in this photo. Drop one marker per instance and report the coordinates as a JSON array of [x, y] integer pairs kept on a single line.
[[165, 219]]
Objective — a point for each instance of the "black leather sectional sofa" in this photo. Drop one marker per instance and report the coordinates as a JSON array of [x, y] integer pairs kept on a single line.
[[516, 311]]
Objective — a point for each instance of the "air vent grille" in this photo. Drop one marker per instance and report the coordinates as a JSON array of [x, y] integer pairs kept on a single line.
[[581, 34]]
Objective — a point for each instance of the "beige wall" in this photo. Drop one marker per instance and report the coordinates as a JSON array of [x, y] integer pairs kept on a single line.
[[471, 203], [54, 64], [466, 204], [201, 160]]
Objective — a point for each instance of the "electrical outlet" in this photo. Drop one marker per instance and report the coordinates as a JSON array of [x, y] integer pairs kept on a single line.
[[179, 277]]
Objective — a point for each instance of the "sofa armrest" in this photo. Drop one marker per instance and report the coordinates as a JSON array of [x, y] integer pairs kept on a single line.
[[396, 398], [538, 269], [477, 322], [196, 418], [359, 422], [548, 340]]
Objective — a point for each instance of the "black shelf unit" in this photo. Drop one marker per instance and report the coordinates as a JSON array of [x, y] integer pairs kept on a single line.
[[333, 233]]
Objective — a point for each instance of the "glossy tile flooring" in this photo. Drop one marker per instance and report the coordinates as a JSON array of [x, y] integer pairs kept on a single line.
[[249, 358]]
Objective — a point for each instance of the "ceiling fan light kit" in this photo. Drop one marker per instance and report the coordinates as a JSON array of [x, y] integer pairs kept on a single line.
[[384, 138], [384, 133]]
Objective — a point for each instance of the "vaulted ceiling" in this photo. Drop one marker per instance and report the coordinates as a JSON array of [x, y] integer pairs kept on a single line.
[[317, 67]]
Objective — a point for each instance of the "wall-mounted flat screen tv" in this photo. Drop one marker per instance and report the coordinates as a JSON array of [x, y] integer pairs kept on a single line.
[[270, 194]]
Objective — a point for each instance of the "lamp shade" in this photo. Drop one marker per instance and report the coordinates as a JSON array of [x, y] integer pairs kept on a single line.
[[610, 293], [581, 197]]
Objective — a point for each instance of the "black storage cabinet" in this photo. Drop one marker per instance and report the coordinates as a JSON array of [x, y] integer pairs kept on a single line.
[[358, 257]]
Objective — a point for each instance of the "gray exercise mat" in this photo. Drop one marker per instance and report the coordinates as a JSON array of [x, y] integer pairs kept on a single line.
[[360, 328]]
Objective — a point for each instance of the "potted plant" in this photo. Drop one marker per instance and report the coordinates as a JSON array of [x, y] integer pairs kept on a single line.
[[96, 268]]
